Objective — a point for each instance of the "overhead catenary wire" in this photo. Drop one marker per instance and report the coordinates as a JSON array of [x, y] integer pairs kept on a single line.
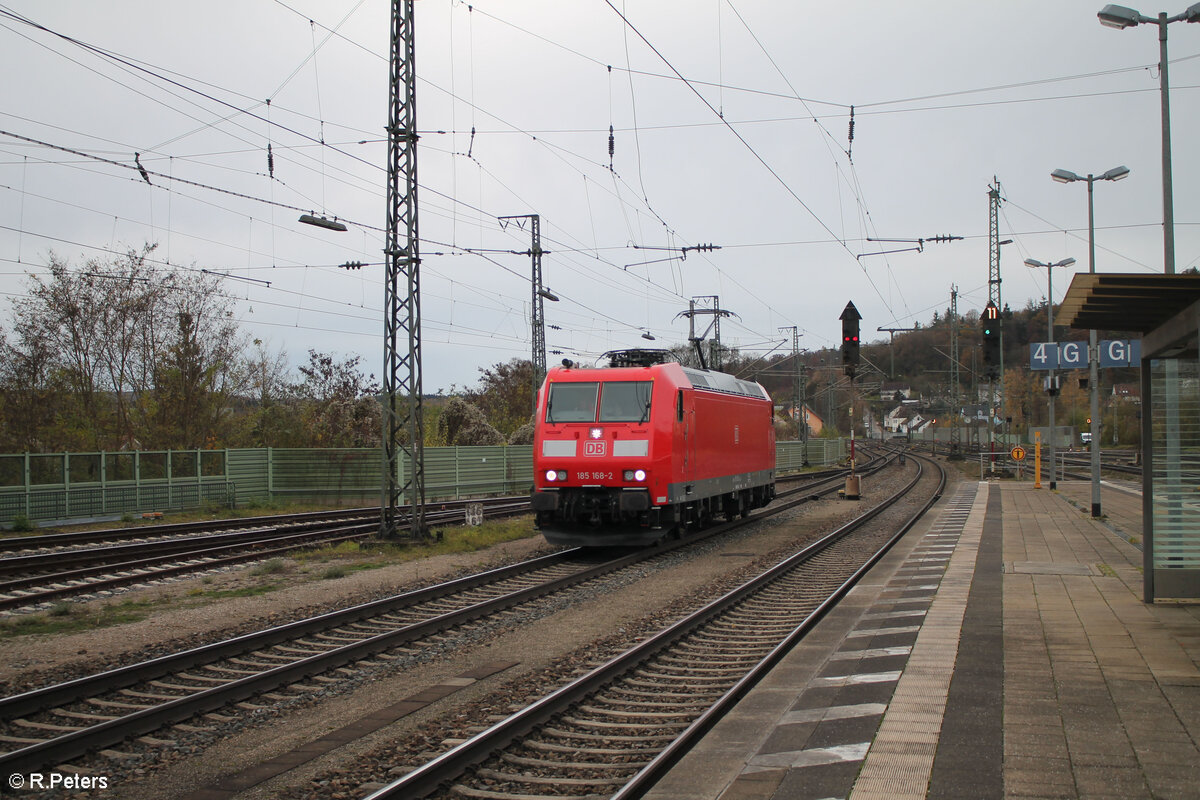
[[589, 251]]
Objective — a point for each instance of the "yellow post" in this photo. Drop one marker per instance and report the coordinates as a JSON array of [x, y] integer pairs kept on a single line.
[[1037, 459]]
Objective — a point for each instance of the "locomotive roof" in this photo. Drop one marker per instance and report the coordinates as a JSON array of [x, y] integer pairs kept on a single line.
[[721, 382], [704, 380]]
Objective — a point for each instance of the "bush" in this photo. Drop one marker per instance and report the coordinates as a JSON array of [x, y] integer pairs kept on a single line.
[[21, 524], [522, 435], [270, 567], [462, 424]]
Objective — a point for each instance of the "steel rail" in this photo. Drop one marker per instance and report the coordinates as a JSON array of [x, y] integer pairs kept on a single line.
[[247, 546], [649, 775], [54, 751], [253, 549], [370, 513], [437, 773], [72, 745], [70, 538]]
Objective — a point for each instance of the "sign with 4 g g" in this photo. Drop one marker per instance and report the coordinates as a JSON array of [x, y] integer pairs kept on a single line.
[[1074, 355]]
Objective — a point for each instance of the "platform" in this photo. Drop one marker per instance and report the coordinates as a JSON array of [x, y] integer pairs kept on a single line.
[[1000, 650]]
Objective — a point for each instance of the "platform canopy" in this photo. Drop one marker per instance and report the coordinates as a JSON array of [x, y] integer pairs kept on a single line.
[[1126, 301], [1165, 310]]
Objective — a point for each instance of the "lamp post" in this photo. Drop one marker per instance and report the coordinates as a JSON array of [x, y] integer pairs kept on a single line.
[[1121, 17], [1051, 385], [1063, 176]]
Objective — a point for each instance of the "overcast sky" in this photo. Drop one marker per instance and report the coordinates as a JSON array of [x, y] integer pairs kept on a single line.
[[747, 151]]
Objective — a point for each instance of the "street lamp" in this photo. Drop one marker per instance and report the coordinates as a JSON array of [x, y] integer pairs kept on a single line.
[[538, 318], [1051, 386], [1121, 17], [1063, 176]]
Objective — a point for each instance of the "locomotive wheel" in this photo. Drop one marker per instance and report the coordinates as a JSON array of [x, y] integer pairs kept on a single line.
[[735, 505]]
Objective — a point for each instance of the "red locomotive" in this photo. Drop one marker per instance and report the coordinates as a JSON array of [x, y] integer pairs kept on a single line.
[[625, 455]]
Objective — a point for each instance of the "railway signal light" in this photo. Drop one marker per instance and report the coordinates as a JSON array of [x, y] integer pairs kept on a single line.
[[850, 319], [990, 326]]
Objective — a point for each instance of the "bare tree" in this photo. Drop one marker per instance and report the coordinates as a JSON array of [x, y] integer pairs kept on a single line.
[[142, 355], [339, 406], [271, 419]]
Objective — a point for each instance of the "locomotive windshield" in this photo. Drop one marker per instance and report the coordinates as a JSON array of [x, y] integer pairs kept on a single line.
[[620, 401], [625, 401], [572, 402]]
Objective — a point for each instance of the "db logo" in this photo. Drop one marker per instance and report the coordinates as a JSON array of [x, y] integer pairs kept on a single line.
[[595, 448]]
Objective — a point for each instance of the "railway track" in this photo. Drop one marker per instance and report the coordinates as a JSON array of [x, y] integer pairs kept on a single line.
[[56, 724], [61, 542], [1070, 463], [614, 731], [41, 570], [31, 581]]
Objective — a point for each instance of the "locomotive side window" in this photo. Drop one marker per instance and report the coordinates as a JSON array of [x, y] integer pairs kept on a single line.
[[625, 401], [572, 402], [679, 406]]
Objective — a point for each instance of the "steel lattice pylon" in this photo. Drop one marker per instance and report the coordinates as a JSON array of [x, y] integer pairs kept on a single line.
[[994, 296], [955, 406], [538, 311], [994, 243], [403, 428]]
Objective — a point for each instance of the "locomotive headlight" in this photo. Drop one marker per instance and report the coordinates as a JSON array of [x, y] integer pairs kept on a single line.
[[639, 474], [596, 433], [556, 475]]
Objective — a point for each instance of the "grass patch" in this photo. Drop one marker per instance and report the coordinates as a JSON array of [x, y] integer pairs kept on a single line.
[[466, 539], [1107, 571], [75, 618], [372, 553], [272, 566], [327, 552], [336, 571], [244, 591]]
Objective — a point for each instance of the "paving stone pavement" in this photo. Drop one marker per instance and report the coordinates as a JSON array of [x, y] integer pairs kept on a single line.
[[1003, 651]]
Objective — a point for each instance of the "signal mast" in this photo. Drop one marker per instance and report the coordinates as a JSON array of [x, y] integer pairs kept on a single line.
[[850, 342]]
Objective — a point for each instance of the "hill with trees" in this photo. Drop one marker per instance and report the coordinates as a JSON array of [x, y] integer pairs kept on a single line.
[[125, 354]]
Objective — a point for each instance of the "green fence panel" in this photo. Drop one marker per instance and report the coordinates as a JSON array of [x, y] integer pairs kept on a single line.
[[320, 475], [248, 474], [519, 468], [60, 486], [481, 470], [789, 456]]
